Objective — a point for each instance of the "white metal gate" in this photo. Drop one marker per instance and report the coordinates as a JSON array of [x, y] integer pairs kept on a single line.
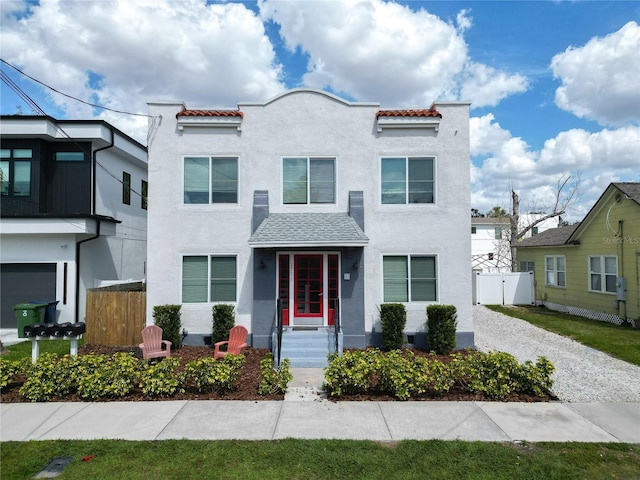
[[503, 288]]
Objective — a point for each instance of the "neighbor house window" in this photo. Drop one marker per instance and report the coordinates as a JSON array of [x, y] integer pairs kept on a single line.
[[126, 188], [527, 266], [308, 180], [473, 230], [15, 172], [209, 279], [144, 192], [409, 278], [210, 180], [498, 233], [603, 271], [555, 271], [407, 180]]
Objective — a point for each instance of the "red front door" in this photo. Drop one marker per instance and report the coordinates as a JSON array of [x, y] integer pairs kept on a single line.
[[308, 288], [308, 294]]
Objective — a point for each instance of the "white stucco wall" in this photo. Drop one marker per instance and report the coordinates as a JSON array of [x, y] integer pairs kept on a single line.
[[305, 123]]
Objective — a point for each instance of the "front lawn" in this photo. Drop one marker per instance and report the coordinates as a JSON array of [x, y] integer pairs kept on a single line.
[[620, 341], [322, 459]]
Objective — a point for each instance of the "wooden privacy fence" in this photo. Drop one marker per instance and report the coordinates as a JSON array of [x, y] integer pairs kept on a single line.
[[116, 316]]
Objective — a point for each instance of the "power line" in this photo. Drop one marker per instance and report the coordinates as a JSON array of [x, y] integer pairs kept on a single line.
[[71, 96]]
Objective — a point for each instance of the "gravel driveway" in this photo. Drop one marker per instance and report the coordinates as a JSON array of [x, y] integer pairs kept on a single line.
[[582, 373]]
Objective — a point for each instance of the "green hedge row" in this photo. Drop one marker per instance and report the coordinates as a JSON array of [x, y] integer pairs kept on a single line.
[[403, 374], [95, 377]]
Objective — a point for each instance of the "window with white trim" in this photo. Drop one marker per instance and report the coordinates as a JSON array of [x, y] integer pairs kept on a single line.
[[527, 266], [603, 272], [409, 278], [555, 271], [406, 180], [308, 180], [210, 180], [209, 278]]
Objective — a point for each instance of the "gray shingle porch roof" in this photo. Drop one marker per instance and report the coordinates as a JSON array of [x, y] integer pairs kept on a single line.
[[308, 230]]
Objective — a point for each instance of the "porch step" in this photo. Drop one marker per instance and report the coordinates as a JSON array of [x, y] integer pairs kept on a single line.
[[306, 348]]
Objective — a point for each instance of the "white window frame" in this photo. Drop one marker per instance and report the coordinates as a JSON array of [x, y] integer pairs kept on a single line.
[[602, 274], [409, 278], [407, 158], [208, 280], [309, 158], [555, 271], [529, 265], [211, 159]]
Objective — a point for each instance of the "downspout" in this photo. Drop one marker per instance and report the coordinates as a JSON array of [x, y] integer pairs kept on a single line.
[[94, 162]]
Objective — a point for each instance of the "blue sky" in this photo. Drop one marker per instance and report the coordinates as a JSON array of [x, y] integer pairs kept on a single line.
[[554, 85]]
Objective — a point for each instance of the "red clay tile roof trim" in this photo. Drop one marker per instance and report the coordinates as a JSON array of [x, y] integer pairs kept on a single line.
[[210, 113], [431, 112]]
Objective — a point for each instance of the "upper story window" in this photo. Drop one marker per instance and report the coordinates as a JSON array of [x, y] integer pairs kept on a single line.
[[409, 278], [126, 188], [555, 271], [68, 156], [308, 180], [603, 271], [210, 180], [15, 172], [407, 180]]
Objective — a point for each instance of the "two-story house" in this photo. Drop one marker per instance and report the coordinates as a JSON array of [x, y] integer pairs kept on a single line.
[[73, 212], [490, 240], [325, 207]]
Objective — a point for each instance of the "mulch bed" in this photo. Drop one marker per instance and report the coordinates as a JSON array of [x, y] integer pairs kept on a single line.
[[247, 384]]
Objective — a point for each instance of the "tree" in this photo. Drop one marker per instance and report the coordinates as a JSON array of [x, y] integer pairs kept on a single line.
[[476, 214], [566, 195], [497, 212]]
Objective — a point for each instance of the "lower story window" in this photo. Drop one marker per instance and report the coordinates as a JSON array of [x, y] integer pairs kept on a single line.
[[208, 278], [603, 271], [409, 278], [527, 266], [555, 271]]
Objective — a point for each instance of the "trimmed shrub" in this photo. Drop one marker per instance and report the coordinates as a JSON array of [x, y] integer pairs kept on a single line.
[[442, 321], [223, 320], [49, 377], [9, 369], [162, 379], [274, 380], [167, 317], [393, 317], [211, 375], [112, 377]]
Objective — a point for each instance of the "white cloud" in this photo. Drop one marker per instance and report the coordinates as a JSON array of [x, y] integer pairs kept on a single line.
[[600, 79], [487, 86], [382, 51], [205, 55], [596, 158]]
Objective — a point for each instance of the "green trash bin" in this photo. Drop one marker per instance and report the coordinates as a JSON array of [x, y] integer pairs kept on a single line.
[[28, 314]]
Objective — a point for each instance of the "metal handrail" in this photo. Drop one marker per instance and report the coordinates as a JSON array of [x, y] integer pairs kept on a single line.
[[279, 327], [336, 320]]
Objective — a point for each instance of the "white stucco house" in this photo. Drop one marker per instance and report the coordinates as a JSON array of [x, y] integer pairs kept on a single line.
[[73, 211], [311, 211]]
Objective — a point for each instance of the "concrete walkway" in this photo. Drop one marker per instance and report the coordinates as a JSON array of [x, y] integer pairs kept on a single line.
[[306, 414]]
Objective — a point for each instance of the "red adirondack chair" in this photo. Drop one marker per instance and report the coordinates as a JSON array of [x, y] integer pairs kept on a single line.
[[152, 343], [235, 344]]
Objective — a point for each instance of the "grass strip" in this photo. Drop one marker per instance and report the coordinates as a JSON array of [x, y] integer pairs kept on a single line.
[[619, 341], [23, 349], [322, 459]]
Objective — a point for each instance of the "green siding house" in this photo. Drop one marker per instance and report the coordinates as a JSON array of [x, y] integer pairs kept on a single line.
[[591, 269]]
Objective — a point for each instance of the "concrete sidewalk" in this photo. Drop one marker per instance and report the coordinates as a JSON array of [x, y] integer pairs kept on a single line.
[[315, 418]]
